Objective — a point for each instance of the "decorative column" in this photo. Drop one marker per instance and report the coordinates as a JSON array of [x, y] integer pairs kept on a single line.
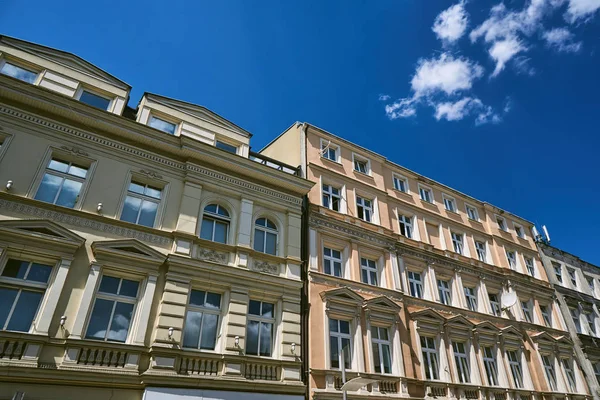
[[42, 324], [145, 305], [189, 208], [86, 301]]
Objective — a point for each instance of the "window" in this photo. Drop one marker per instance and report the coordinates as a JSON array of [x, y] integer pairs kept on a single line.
[[519, 231], [512, 259], [141, 204], [202, 320], [430, 358], [332, 262], [529, 266], [425, 194], [449, 203], [382, 358], [591, 319], [94, 100], [575, 317], [526, 308], [259, 329], [19, 73], [22, 287], [590, 281], [415, 284], [481, 251], [162, 125], [329, 151], [368, 270], [113, 309], [226, 146], [361, 165], [546, 315], [215, 223], [515, 367], [491, 369], [557, 271], [501, 223], [572, 277], [471, 298], [549, 369], [406, 226], [472, 212], [568, 367], [596, 367], [339, 343], [462, 362], [265, 236], [62, 183], [400, 183], [457, 242], [494, 304], [364, 209], [444, 292], [331, 197]]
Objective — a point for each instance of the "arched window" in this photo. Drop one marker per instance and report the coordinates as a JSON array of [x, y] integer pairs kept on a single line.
[[215, 223], [265, 236]]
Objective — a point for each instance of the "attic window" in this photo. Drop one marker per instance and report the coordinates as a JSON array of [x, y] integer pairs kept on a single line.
[[162, 125], [94, 100], [43, 231], [226, 146], [19, 73]]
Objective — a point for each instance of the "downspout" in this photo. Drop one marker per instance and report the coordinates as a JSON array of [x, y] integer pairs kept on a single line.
[[304, 249]]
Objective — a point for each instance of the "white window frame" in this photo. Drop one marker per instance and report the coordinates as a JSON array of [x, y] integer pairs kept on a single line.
[[512, 265], [519, 228], [458, 242], [426, 189], [266, 231], [360, 202], [529, 265], [333, 147], [550, 371], [470, 293], [591, 284], [164, 118], [111, 98], [504, 226], [329, 193], [28, 67], [264, 320], [546, 312], [380, 343], [431, 354], [516, 367], [558, 272], [88, 163], [474, 210], [591, 321], [160, 202], [228, 143], [214, 218], [204, 310], [416, 283], [481, 250], [490, 364], [462, 361], [445, 291], [332, 260], [576, 318], [365, 266], [339, 336], [400, 178], [406, 223], [527, 310], [495, 307], [569, 368], [358, 158], [572, 273], [449, 200], [596, 368]]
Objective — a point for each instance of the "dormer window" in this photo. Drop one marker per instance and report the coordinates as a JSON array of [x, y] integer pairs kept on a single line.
[[94, 100], [18, 72], [226, 146], [162, 125], [361, 164]]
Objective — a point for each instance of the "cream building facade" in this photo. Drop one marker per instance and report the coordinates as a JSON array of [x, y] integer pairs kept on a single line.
[[144, 254], [423, 290]]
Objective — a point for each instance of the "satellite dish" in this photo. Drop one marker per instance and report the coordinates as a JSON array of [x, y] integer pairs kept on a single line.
[[508, 299]]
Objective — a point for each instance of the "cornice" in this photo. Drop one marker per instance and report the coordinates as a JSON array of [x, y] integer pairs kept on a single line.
[[358, 287]]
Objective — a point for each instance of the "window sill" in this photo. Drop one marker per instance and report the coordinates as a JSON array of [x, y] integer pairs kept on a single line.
[[339, 164], [364, 174]]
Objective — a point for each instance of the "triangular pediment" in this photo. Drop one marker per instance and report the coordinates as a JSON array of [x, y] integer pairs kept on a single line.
[[382, 303], [66, 59], [127, 248], [486, 327], [544, 336], [40, 228], [564, 341], [511, 331], [427, 313], [199, 112], [344, 293], [459, 321]]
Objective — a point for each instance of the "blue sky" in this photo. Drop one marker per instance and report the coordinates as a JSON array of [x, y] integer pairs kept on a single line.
[[498, 101]]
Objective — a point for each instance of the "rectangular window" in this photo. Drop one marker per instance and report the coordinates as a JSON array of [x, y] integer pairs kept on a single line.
[[430, 358], [546, 315], [491, 368], [162, 125], [364, 208], [425, 194], [22, 287], [471, 298], [18, 72], [501, 223], [457, 242], [113, 309], [494, 304], [406, 226], [382, 356], [62, 183], [596, 366], [472, 212], [339, 343], [361, 165], [400, 183], [449, 203], [94, 100], [568, 367], [591, 284], [202, 320], [512, 259], [549, 369], [415, 284], [515, 367], [572, 277], [331, 197], [519, 231], [481, 251], [368, 270], [329, 151], [141, 204], [591, 319], [575, 317], [332, 262], [529, 265], [444, 292], [462, 362], [226, 146], [557, 271], [526, 308], [259, 328]]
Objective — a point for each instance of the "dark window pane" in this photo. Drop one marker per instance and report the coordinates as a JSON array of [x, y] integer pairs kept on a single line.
[[259, 240], [191, 332], [206, 229], [129, 288], [130, 209], [15, 269], [266, 331], [376, 358], [333, 325], [7, 298], [148, 214], [267, 310], [220, 232], [162, 125], [344, 327], [327, 266], [213, 300], [271, 247], [387, 359], [109, 284], [211, 208], [119, 325], [68, 194], [226, 147], [254, 307], [252, 338], [99, 319], [94, 100], [334, 352], [209, 331], [24, 312], [347, 351], [39, 273], [197, 297], [48, 188]]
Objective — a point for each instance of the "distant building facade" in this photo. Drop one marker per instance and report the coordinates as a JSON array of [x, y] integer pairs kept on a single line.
[[420, 289], [144, 254]]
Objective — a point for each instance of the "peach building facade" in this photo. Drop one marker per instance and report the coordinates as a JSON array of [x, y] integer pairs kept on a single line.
[[423, 290]]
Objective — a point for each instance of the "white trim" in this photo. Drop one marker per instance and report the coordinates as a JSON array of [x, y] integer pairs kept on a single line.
[[519, 226], [358, 157], [450, 200], [467, 206], [83, 88], [428, 189], [499, 217], [402, 178], [331, 145]]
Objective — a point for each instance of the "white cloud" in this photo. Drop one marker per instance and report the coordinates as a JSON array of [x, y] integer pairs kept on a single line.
[[444, 74], [581, 9], [503, 50], [456, 111], [384, 97], [451, 24], [562, 40], [402, 108]]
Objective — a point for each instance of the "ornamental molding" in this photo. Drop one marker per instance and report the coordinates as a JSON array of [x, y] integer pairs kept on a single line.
[[56, 216], [75, 150], [150, 174], [317, 222], [265, 267], [212, 255], [355, 286]]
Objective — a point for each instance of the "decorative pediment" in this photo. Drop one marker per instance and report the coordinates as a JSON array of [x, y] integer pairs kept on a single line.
[[66, 59], [127, 252], [40, 233], [199, 112], [428, 321], [511, 337], [459, 327], [565, 346], [427, 313], [382, 309], [487, 333], [545, 342], [343, 302]]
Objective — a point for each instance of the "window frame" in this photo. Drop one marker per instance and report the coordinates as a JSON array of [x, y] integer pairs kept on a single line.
[[110, 97], [358, 158], [474, 209], [527, 310], [22, 65], [204, 310], [445, 293], [591, 322], [516, 367], [546, 312], [481, 252], [337, 150], [262, 320], [64, 158], [266, 231], [576, 318], [449, 200], [490, 364], [154, 184], [529, 265], [572, 274], [380, 343], [430, 354], [215, 217], [332, 260], [227, 143], [495, 306], [163, 118], [331, 196], [558, 271], [550, 371], [400, 178], [512, 265], [364, 208], [501, 227], [458, 242], [569, 369], [339, 337], [406, 223], [370, 270], [418, 284], [519, 228], [471, 298], [426, 189], [462, 361]]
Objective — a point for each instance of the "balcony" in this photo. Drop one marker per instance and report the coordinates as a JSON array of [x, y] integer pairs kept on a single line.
[[385, 385], [20, 349], [101, 356], [270, 162]]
